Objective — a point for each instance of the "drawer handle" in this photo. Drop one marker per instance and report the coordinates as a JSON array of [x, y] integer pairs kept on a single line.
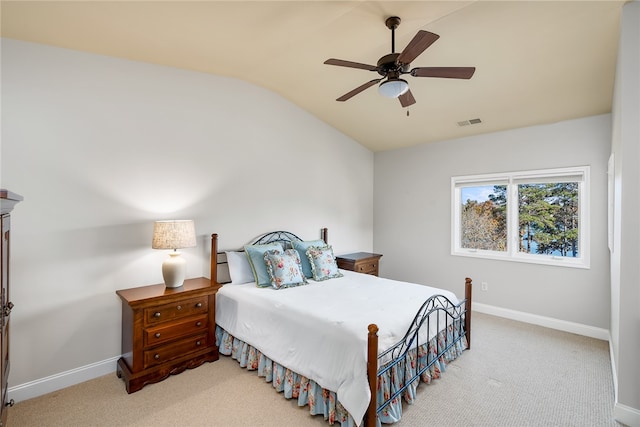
[[179, 307], [156, 356], [199, 305], [156, 314], [198, 324], [157, 335], [8, 308], [198, 343]]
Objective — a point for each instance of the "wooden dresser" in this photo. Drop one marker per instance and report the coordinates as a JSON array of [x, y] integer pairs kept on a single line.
[[7, 202], [166, 330], [361, 262]]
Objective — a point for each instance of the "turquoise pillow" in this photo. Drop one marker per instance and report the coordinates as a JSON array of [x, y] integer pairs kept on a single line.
[[284, 268], [323, 263], [302, 247], [255, 254]]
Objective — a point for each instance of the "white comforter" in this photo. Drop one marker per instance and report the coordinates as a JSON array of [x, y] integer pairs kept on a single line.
[[320, 330]]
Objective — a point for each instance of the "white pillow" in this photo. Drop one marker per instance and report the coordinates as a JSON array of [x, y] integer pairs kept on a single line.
[[239, 269]]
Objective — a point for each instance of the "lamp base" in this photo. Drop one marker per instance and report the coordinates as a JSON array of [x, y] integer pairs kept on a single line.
[[174, 270]]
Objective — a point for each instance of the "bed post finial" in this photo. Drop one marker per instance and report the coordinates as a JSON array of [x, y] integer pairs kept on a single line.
[[467, 307], [214, 259]]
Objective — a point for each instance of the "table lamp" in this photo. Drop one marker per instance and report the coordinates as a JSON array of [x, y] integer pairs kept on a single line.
[[174, 234]]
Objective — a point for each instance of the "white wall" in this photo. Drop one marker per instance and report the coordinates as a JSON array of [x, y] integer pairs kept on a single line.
[[625, 268], [412, 218], [101, 147]]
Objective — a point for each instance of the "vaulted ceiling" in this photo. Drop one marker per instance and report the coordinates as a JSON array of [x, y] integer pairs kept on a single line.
[[536, 61]]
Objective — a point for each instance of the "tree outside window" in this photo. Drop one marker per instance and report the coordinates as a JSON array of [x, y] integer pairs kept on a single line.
[[548, 218], [483, 221]]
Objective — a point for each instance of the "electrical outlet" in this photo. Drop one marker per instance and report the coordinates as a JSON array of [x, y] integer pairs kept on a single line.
[[484, 286]]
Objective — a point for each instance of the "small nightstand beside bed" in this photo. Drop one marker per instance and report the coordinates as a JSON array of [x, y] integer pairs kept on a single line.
[[308, 336]]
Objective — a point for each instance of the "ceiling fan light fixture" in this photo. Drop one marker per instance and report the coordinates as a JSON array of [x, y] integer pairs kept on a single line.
[[393, 88]]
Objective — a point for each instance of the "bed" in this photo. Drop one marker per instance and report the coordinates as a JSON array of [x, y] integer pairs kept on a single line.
[[350, 346]]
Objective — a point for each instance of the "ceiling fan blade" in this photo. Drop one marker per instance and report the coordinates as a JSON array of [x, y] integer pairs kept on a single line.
[[357, 90], [341, 63], [420, 42], [444, 72], [407, 99]]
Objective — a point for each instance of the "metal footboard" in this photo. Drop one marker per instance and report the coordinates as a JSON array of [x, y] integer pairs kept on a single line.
[[439, 310], [452, 322]]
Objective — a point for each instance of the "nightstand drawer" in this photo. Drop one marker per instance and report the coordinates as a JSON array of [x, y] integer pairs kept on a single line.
[[367, 267], [159, 334], [183, 308], [360, 262], [172, 350]]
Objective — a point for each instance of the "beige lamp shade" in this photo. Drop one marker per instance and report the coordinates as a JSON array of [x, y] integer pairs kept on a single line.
[[174, 235]]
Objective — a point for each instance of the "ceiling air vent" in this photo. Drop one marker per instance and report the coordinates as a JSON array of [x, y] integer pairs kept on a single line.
[[469, 122]]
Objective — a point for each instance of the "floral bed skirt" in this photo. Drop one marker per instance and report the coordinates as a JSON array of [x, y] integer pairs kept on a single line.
[[325, 402]]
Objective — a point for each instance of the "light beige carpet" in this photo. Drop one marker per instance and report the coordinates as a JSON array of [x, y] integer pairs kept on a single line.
[[514, 375]]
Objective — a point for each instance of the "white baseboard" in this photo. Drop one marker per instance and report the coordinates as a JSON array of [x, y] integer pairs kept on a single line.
[[614, 370], [64, 379], [548, 322], [626, 415]]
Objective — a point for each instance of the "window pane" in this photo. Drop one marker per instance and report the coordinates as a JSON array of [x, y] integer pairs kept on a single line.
[[548, 218], [483, 217], [535, 216]]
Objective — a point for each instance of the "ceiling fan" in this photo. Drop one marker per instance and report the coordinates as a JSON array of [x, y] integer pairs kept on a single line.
[[392, 66]]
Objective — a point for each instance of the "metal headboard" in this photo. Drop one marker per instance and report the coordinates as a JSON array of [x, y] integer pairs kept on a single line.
[[219, 268], [284, 237]]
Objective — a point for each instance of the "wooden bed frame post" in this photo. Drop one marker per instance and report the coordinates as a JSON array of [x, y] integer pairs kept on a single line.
[[214, 259], [372, 373], [467, 306]]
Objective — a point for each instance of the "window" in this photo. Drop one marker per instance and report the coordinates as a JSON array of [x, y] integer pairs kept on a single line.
[[534, 216]]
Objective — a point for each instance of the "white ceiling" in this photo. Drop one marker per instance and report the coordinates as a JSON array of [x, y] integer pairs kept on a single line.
[[536, 62]]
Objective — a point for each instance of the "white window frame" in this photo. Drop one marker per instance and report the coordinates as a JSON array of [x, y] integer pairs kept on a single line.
[[511, 180]]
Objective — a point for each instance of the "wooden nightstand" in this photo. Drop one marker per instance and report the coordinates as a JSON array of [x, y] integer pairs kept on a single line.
[[166, 330], [361, 262]]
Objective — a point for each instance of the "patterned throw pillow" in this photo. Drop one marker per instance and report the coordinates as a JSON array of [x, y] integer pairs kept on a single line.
[[301, 247], [323, 263], [284, 268], [255, 255]]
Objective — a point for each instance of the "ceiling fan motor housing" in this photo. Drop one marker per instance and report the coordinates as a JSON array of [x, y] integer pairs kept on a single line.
[[388, 65]]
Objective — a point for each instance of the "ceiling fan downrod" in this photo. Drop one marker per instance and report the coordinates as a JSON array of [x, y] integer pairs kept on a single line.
[[392, 23]]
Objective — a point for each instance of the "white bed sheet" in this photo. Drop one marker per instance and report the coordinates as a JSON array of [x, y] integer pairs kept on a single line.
[[320, 330]]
